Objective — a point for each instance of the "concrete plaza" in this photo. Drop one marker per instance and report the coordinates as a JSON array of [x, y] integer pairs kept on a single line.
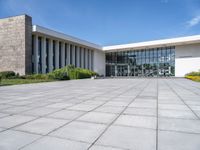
[[104, 114]]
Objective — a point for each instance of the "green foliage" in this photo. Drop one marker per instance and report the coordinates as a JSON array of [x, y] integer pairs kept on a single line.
[[0, 78], [59, 74], [7, 74], [35, 76], [79, 73], [195, 76], [193, 73], [66, 73], [70, 72]]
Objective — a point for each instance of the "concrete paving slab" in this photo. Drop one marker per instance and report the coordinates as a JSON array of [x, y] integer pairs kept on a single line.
[[79, 114], [170, 113], [98, 147], [137, 121], [11, 121], [182, 125], [178, 141], [13, 140], [80, 131], [52, 143], [83, 107], [140, 111], [40, 111], [110, 109], [129, 138], [42, 125], [98, 117], [143, 105], [66, 114]]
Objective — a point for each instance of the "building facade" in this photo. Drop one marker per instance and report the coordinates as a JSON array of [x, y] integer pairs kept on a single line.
[[27, 49]]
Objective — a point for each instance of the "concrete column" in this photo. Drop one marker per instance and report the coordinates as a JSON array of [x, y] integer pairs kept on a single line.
[[92, 60], [73, 55], [62, 54], [68, 54], [50, 55], [57, 55], [86, 58], [82, 57], [78, 56], [116, 70], [36, 54], [43, 55], [89, 65], [129, 70]]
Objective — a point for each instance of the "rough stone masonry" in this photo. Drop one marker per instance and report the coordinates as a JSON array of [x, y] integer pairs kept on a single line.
[[15, 44]]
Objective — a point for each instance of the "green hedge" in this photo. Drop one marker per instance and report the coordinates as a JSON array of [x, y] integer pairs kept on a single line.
[[193, 74], [66, 73], [59, 74], [70, 72], [7, 74]]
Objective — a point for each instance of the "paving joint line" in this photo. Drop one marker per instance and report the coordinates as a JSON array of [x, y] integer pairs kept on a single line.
[[75, 118], [109, 125]]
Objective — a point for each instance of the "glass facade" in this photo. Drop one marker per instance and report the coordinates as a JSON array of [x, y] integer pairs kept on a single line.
[[153, 62]]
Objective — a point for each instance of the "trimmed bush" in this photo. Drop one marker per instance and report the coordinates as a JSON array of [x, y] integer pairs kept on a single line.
[[79, 73], [0, 78], [194, 78], [70, 72], [59, 74], [193, 74], [35, 77], [7, 74]]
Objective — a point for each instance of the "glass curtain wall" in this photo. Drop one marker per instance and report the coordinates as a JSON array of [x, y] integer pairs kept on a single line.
[[153, 62]]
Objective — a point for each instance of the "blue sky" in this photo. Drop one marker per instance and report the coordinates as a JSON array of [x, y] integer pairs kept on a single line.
[[108, 22]]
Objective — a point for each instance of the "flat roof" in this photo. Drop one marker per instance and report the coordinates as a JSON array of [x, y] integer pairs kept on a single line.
[[140, 45], [43, 30], [156, 43]]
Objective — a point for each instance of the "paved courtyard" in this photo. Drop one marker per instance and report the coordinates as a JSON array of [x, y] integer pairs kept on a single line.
[[107, 114]]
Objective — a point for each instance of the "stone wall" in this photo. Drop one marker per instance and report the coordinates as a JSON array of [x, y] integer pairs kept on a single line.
[[15, 44]]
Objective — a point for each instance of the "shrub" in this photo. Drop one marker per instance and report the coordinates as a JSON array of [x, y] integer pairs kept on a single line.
[[35, 76], [79, 73], [193, 74], [7, 74], [0, 78], [59, 74], [194, 78], [70, 72]]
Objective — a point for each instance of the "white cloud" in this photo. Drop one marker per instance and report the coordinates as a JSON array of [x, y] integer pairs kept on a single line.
[[194, 21]]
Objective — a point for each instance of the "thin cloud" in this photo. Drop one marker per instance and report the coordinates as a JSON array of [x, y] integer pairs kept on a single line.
[[194, 21]]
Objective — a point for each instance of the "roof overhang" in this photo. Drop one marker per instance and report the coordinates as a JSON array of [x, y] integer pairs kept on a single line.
[[141, 45], [52, 33], [157, 43]]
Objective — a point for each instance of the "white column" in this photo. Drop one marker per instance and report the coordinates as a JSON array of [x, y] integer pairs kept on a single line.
[[116, 70], [43, 55], [82, 59], [57, 55], [78, 56], [62, 54], [92, 60], [89, 65], [68, 54], [73, 55], [86, 58], [50, 55], [36, 54]]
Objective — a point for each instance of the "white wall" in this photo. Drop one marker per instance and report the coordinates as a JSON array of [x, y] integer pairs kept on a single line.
[[99, 62], [187, 59]]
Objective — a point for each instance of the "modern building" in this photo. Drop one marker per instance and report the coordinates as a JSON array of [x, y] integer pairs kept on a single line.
[[27, 48]]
